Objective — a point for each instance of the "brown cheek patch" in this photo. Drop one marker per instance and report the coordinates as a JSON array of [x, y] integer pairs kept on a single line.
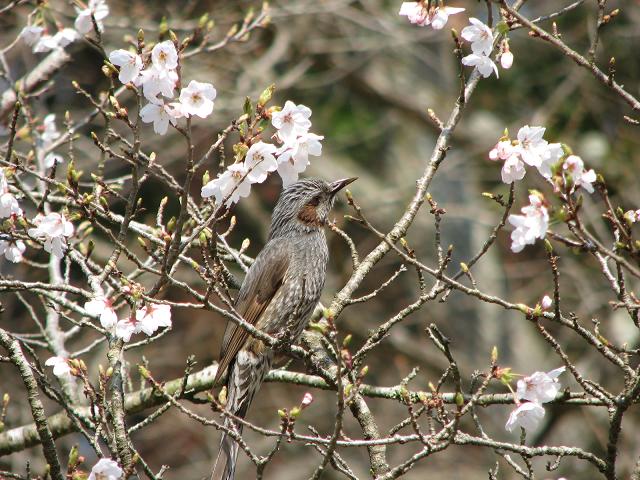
[[309, 216]]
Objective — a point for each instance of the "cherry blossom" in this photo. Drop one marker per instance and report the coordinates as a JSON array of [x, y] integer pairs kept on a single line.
[[506, 59], [106, 469], [503, 150], [293, 158], [550, 154], [102, 307], [546, 302], [307, 399], [197, 99], [533, 224], [531, 145], [60, 40], [99, 9], [8, 202], [512, 169], [160, 114], [12, 251], [482, 62], [259, 161], [164, 56], [31, 34], [480, 36], [540, 387], [60, 366], [527, 415], [54, 227], [153, 316], [291, 121], [47, 138], [130, 65], [156, 81], [146, 319], [417, 13], [581, 177], [232, 183], [632, 216]]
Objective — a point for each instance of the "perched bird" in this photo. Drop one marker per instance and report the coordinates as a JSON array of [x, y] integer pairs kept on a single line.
[[278, 295]]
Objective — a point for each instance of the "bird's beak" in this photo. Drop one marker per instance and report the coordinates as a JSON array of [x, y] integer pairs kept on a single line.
[[340, 184]]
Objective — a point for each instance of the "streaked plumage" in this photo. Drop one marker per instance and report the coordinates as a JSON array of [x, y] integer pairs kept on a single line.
[[278, 294]]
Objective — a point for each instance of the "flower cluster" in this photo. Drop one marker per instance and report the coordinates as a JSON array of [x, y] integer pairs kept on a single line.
[[531, 225], [290, 158], [158, 81], [481, 38], [60, 366], [36, 36], [54, 228], [420, 14], [147, 319], [536, 389]]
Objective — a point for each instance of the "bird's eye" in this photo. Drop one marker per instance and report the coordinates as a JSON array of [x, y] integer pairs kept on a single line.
[[315, 201]]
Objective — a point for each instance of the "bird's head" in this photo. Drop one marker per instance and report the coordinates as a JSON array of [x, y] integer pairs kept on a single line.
[[305, 205]]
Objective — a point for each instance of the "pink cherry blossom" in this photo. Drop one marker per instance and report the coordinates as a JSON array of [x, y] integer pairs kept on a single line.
[[532, 145], [418, 14], [546, 302], [530, 226], [291, 121], [100, 11], [232, 185], [164, 56], [31, 34], [480, 36], [54, 227], [259, 161], [581, 177], [513, 169], [12, 250], [483, 63], [293, 157], [106, 469]]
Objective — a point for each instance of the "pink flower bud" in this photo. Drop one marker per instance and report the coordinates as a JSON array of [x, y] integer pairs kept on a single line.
[[306, 400], [546, 302], [506, 59]]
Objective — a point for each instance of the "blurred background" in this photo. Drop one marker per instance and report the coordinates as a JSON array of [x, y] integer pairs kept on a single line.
[[369, 77]]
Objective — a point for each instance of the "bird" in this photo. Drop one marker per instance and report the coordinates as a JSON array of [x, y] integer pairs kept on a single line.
[[278, 295]]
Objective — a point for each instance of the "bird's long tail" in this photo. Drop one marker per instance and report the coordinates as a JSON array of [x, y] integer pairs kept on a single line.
[[245, 377]]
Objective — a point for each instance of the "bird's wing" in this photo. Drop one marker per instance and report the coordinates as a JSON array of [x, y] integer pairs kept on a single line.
[[263, 280]]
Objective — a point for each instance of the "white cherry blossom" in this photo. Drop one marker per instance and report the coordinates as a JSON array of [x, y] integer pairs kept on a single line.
[[197, 99], [550, 154], [527, 415], [60, 40], [99, 9], [581, 177], [8, 202], [293, 158], [418, 14], [31, 34], [153, 316], [102, 307], [483, 63], [160, 114], [540, 387], [531, 145], [632, 216], [513, 169], [156, 81], [480, 36], [12, 250], [259, 161], [60, 366], [232, 183], [530, 226], [106, 469], [291, 121], [130, 65], [54, 227], [164, 56]]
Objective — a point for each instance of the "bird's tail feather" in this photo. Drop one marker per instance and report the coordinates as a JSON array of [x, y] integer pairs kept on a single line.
[[225, 466]]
